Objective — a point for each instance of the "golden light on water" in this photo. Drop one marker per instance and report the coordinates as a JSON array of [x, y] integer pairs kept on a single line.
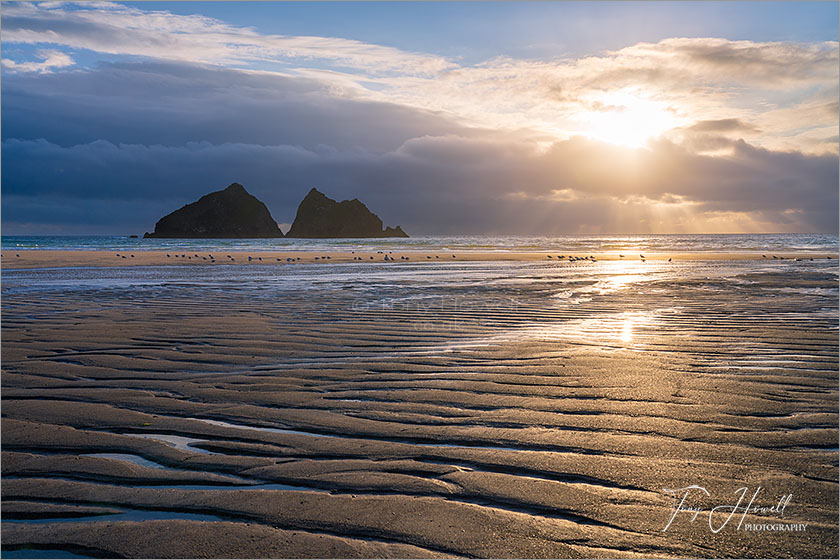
[[627, 331]]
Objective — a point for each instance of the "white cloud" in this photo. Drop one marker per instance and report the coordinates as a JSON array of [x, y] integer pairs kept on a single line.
[[49, 59], [122, 30]]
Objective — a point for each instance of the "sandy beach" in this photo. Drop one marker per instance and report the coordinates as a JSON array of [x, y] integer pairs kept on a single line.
[[12, 259], [494, 406]]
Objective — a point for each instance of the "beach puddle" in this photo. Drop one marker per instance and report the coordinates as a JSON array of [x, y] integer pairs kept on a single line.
[[178, 442], [41, 553], [136, 459], [124, 515]]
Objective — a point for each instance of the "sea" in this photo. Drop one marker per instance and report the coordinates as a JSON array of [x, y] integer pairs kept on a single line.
[[572, 243]]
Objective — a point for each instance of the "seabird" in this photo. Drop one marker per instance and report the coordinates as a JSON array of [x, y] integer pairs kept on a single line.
[[371, 258], [259, 258], [641, 255], [167, 255], [669, 259], [775, 257], [317, 258], [549, 256], [132, 256], [621, 256], [249, 257], [428, 257], [204, 258], [763, 256], [453, 256]]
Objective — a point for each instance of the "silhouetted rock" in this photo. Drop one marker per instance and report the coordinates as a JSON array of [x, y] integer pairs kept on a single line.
[[322, 217], [231, 213]]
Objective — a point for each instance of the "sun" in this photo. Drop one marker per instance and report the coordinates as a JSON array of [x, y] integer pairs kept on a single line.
[[626, 119]]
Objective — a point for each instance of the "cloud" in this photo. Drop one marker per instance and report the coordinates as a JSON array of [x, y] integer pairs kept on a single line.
[[724, 126], [688, 79], [49, 59], [175, 103], [122, 30]]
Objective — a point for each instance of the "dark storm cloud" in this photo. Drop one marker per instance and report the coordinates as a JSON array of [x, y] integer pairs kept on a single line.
[[122, 145], [171, 104]]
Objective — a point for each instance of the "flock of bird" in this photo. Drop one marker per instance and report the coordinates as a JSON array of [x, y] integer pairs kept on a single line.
[[573, 258], [591, 258], [386, 257], [797, 260]]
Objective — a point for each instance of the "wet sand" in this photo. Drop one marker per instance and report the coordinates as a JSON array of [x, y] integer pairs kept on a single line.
[[521, 409]]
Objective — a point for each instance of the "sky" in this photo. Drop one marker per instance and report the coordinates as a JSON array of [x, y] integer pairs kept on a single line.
[[448, 118]]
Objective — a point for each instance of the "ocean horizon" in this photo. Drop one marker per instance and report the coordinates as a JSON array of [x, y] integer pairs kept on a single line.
[[736, 243]]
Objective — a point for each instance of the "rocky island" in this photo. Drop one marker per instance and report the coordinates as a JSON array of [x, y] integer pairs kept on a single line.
[[229, 213], [235, 213], [319, 216]]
